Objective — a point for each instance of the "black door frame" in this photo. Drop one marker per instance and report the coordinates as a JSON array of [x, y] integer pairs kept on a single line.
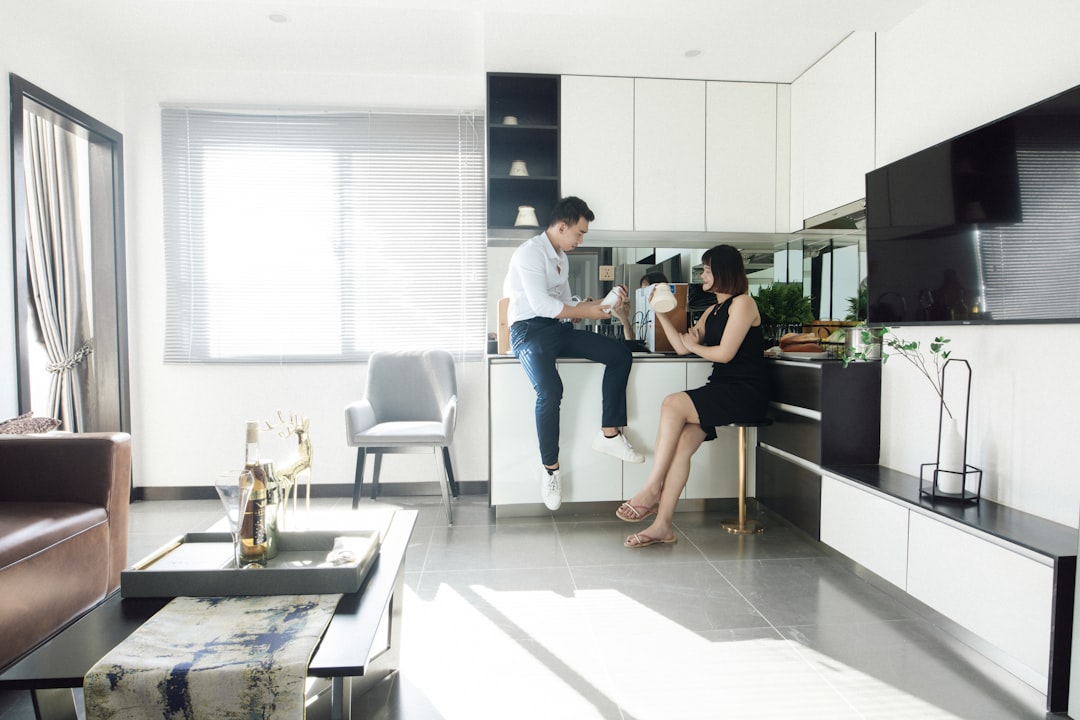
[[107, 218]]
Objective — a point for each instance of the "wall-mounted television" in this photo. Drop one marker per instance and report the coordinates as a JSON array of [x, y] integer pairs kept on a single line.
[[982, 228]]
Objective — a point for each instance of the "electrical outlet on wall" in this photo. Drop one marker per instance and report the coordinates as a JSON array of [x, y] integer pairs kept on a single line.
[[607, 272]]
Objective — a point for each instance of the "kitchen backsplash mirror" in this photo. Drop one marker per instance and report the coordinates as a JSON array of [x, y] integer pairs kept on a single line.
[[830, 268]]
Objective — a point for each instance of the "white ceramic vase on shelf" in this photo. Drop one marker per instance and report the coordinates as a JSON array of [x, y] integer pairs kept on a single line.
[[526, 217], [951, 464]]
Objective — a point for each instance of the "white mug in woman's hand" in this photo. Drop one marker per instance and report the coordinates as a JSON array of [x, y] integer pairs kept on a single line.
[[661, 299]]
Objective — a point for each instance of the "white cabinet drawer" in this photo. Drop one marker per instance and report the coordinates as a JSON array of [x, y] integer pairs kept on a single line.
[[999, 595], [515, 458], [871, 531], [587, 475]]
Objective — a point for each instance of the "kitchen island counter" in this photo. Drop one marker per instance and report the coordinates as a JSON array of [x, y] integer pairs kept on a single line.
[[589, 476], [637, 356]]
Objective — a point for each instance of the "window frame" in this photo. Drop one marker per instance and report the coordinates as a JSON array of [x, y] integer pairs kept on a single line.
[[404, 212]]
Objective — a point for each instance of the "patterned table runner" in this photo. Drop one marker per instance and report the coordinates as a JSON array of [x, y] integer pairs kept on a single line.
[[231, 658]]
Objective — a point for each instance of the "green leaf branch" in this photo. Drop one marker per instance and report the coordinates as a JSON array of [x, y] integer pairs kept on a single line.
[[930, 365]]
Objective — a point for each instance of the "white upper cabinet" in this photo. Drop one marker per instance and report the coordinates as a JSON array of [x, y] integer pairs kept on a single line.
[[832, 110], [741, 157], [597, 154], [669, 154], [677, 155]]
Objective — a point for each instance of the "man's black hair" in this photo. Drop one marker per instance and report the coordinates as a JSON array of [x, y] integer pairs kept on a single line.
[[569, 210]]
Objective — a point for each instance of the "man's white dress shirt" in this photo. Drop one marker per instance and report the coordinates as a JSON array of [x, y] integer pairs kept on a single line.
[[537, 281]]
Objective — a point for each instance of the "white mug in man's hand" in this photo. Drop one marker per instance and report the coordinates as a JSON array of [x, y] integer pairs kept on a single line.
[[615, 296]]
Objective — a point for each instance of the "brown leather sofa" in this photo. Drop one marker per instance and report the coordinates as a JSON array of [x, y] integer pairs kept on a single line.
[[63, 531]]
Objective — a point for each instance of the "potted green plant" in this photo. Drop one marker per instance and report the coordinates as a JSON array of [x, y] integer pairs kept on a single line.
[[783, 309], [857, 305]]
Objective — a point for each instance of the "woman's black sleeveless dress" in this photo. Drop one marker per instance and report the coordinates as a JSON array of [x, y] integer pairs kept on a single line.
[[737, 390]]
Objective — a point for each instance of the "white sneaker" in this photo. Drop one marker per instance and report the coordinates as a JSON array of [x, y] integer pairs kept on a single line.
[[617, 447], [550, 488]]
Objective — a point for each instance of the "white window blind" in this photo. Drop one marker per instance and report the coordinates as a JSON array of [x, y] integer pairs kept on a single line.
[[322, 237]]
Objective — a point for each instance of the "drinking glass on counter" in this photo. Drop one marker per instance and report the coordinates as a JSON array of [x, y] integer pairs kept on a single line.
[[234, 489]]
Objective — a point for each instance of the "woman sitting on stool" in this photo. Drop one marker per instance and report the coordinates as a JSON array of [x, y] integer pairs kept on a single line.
[[729, 334]]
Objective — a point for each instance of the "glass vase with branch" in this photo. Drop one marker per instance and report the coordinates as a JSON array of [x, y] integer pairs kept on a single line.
[[930, 365], [950, 471]]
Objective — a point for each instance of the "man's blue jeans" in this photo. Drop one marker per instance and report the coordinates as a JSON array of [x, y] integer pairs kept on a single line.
[[537, 343]]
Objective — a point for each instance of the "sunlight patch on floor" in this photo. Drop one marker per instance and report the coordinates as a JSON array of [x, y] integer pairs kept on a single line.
[[478, 669], [520, 654]]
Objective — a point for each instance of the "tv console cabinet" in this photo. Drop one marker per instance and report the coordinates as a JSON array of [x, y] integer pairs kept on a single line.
[[1004, 578]]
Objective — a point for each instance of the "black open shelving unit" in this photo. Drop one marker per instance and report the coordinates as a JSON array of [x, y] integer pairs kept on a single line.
[[534, 101]]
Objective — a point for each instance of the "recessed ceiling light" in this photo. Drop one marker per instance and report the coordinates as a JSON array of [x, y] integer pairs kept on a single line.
[[278, 18], [692, 53]]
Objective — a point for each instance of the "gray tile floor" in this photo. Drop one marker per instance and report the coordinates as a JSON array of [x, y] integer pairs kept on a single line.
[[551, 617]]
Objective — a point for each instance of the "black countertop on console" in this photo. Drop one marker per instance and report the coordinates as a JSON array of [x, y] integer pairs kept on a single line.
[[1024, 529]]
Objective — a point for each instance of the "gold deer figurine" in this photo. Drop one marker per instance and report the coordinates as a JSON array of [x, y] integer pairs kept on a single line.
[[300, 464]]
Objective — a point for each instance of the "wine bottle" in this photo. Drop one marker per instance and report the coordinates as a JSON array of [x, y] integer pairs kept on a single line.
[[253, 543], [274, 509]]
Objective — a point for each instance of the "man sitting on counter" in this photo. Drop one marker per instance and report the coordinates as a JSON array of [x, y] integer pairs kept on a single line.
[[538, 287]]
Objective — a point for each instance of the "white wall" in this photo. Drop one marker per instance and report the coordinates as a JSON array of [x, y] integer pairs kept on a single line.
[[950, 67], [71, 72], [953, 65], [188, 420], [832, 129]]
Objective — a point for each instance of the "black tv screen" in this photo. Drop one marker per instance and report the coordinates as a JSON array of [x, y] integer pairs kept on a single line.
[[982, 228]]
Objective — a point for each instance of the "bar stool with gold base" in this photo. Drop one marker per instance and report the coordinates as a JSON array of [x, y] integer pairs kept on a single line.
[[744, 525]]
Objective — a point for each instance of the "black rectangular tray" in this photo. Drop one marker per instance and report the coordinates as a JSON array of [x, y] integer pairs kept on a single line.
[[201, 565]]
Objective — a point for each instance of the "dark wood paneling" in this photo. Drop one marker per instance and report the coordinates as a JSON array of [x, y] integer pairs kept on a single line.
[[795, 434], [790, 490], [534, 101], [849, 403], [796, 385], [851, 414]]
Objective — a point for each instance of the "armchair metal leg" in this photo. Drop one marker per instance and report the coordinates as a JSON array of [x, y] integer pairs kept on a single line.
[[449, 466], [358, 482], [445, 488], [375, 474]]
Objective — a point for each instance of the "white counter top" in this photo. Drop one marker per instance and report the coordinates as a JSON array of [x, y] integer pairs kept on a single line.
[[638, 357]]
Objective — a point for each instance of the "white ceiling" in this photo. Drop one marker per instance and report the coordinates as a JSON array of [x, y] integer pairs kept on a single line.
[[749, 40]]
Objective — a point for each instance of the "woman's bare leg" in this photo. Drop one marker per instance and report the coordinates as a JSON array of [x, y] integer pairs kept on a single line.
[[678, 474], [676, 412]]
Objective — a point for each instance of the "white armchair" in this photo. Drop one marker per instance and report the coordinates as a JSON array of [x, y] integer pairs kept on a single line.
[[410, 404]]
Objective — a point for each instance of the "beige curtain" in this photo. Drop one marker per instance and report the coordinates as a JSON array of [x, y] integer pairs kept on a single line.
[[57, 264]]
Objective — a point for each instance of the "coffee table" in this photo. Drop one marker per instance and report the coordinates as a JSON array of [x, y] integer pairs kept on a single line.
[[360, 647]]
